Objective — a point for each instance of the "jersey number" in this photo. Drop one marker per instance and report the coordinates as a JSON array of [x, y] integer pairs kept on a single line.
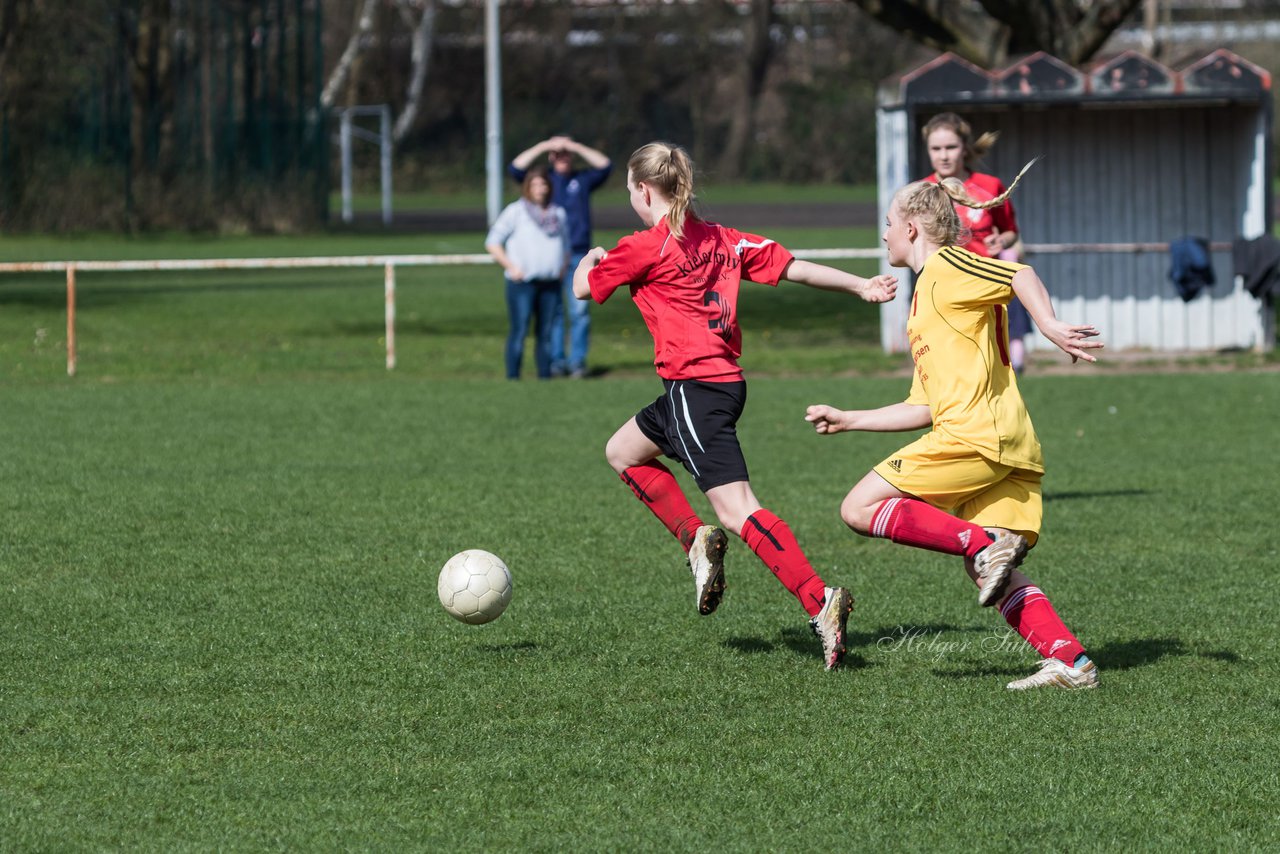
[[1001, 338], [720, 323]]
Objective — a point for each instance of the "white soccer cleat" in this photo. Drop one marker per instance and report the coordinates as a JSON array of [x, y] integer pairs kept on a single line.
[[995, 562], [830, 625], [706, 561], [1054, 674]]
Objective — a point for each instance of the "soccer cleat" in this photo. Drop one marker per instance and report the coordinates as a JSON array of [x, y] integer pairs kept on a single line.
[[830, 623], [995, 562], [706, 561], [1054, 674]]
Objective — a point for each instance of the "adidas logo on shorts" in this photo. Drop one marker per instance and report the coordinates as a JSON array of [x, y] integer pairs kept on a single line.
[[896, 465]]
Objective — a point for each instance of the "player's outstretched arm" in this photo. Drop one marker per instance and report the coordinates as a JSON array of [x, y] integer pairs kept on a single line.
[[877, 289], [887, 419], [581, 286], [1071, 339]]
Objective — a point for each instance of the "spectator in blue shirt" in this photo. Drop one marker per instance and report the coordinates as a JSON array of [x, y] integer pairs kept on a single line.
[[570, 189]]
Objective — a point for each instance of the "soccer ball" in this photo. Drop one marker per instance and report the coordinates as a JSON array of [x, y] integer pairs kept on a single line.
[[475, 586]]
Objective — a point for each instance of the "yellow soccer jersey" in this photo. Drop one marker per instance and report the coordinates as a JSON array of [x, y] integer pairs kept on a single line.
[[959, 337]]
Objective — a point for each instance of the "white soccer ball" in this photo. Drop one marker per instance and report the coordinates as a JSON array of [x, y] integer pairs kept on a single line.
[[475, 586]]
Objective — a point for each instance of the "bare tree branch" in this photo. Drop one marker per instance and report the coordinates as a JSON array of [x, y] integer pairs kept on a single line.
[[423, 35], [1096, 26], [357, 43], [756, 55], [148, 33], [959, 27], [988, 32], [8, 32]]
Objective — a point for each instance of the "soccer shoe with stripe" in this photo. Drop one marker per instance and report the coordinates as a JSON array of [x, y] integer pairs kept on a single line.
[[706, 561], [1055, 674], [830, 625], [995, 562]]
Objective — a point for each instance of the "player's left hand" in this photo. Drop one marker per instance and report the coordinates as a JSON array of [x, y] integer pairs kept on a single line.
[[1074, 339]]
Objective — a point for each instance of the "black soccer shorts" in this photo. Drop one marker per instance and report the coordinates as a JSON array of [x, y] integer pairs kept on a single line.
[[696, 422]]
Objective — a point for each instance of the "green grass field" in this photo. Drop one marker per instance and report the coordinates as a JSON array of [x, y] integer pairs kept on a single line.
[[217, 590]]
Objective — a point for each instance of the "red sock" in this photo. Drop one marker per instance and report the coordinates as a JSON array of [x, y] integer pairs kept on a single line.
[[655, 485], [1031, 615], [772, 541], [912, 522]]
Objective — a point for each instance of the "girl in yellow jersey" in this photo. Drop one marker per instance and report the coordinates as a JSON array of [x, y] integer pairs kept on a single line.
[[970, 486]]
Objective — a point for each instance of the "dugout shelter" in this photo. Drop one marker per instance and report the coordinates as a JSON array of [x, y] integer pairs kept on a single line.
[[1136, 156]]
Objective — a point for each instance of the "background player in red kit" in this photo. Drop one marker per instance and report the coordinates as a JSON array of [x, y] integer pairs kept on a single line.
[[993, 231], [684, 274]]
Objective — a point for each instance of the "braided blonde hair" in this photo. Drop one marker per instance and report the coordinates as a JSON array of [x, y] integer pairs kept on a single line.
[[932, 206], [668, 169]]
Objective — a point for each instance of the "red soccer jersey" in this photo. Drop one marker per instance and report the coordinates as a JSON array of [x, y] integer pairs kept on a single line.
[[982, 222], [687, 292]]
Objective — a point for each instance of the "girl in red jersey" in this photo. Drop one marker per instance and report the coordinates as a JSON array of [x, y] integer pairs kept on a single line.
[[993, 229], [683, 274], [971, 485]]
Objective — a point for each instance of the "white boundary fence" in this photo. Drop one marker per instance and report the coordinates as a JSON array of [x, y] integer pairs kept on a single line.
[[390, 262], [387, 262]]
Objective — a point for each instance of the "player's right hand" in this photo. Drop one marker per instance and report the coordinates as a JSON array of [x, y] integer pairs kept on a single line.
[[881, 288], [825, 419]]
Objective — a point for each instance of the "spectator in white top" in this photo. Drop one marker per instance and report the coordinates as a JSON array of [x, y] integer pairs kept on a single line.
[[571, 189], [529, 239]]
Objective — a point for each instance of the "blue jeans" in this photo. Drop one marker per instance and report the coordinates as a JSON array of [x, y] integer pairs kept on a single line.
[[537, 300], [579, 325]]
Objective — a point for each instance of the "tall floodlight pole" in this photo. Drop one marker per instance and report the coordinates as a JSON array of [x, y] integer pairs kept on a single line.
[[493, 108]]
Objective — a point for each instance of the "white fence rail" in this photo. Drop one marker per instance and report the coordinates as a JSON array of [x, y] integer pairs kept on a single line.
[[390, 262], [387, 262]]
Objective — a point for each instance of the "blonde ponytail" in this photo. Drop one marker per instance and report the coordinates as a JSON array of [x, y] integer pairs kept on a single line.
[[954, 188], [669, 170], [931, 206]]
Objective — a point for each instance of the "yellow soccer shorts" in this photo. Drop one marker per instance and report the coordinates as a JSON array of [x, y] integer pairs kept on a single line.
[[957, 479]]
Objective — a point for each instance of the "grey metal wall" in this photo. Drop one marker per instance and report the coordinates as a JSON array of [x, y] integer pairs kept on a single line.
[[1146, 173], [1135, 174], [1136, 155], [893, 171]]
